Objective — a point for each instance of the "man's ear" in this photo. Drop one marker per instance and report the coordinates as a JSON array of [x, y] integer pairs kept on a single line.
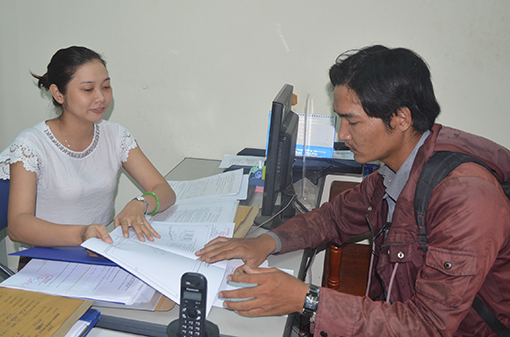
[[402, 119], [57, 95]]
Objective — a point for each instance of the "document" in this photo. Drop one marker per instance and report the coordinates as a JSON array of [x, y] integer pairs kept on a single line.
[[219, 185], [320, 135], [186, 239], [25, 313], [229, 160], [79, 280], [219, 210], [162, 263]]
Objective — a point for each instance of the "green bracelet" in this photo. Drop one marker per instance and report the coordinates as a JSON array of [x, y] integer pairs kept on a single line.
[[157, 202]]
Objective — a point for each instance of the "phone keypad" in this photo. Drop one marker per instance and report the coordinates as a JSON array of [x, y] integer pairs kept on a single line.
[[191, 319]]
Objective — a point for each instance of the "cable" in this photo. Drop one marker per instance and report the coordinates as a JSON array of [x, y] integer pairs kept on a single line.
[[276, 214]]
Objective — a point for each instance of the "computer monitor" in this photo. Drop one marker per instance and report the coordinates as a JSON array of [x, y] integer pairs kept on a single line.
[[281, 149]]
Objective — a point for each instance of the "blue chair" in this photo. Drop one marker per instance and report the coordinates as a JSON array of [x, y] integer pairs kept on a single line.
[[4, 201]]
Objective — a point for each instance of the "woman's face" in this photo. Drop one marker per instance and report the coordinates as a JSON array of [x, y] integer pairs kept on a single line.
[[89, 93]]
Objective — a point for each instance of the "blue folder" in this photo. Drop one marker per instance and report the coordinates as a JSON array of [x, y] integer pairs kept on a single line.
[[66, 254]]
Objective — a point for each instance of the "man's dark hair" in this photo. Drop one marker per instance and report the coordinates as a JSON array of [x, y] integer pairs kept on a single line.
[[387, 79]]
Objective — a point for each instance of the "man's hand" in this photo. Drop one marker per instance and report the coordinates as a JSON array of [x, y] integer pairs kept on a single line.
[[252, 251], [276, 293]]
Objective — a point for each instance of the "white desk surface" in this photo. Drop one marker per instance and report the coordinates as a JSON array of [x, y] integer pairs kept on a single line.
[[229, 323]]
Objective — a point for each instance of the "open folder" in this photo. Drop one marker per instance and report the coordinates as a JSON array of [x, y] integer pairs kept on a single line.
[[161, 263]]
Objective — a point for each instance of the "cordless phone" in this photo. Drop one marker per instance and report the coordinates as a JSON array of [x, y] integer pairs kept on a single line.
[[192, 313]]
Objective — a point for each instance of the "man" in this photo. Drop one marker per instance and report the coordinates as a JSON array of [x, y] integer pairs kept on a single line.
[[386, 101]]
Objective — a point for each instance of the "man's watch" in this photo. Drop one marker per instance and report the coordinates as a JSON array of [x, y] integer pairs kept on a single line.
[[311, 302], [145, 201]]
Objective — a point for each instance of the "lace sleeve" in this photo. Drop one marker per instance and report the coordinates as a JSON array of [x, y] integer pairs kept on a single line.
[[127, 142], [19, 152]]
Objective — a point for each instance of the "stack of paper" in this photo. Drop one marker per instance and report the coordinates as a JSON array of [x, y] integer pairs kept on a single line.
[[79, 280], [247, 161], [211, 199], [227, 184]]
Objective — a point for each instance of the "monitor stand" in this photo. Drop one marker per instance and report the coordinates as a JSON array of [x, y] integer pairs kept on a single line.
[[306, 194]]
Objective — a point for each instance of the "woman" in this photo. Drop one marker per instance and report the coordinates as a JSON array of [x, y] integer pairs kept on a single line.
[[64, 171]]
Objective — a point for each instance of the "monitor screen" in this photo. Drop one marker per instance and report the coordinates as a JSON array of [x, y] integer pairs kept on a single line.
[[281, 149]]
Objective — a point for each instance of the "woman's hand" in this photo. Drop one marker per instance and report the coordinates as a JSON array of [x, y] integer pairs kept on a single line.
[[96, 231], [133, 215]]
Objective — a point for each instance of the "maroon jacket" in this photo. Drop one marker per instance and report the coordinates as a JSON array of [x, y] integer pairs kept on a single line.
[[468, 225]]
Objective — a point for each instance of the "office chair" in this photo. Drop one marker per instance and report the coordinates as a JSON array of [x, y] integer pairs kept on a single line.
[[4, 201], [346, 266]]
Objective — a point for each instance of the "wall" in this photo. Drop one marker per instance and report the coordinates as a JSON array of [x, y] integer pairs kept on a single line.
[[196, 78]]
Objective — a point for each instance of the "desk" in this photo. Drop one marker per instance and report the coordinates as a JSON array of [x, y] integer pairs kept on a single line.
[[229, 323]]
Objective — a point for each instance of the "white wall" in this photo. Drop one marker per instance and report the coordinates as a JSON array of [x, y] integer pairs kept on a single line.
[[196, 78]]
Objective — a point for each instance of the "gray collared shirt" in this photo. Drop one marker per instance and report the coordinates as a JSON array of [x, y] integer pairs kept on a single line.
[[395, 182]]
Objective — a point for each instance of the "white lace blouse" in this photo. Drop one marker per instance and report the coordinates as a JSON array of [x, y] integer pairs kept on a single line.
[[72, 187]]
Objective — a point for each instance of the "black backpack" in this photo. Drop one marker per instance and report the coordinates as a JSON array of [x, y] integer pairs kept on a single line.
[[439, 165]]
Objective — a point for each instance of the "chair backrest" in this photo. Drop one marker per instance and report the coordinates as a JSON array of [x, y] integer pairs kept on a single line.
[[4, 201], [5, 272]]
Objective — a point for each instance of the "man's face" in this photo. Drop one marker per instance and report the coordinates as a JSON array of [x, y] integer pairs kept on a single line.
[[367, 137]]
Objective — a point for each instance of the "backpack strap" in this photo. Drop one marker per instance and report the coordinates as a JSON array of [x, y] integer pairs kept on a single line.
[[499, 328], [439, 165]]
